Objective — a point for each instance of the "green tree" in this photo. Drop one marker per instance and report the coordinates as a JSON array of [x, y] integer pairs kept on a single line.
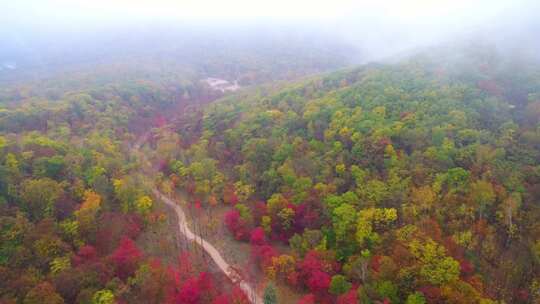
[[436, 267], [286, 215], [343, 220], [245, 212], [309, 240], [59, 264], [143, 204], [387, 290], [370, 218], [339, 285], [416, 298], [456, 180], [104, 296], [126, 191], [270, 296], [39, 196], [300, 188], [483, 195]]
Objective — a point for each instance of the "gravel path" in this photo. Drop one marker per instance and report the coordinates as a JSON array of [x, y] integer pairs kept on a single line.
[[184, 229], [209, 248]]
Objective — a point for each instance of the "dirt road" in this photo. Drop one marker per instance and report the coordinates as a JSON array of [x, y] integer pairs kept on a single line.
[[184, 229], [209, 248]]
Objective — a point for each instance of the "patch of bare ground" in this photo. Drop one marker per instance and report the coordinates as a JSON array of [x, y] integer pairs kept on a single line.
[[162, 241], [210, 225]]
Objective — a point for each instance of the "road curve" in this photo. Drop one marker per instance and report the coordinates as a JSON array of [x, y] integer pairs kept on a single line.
[[184, 229]]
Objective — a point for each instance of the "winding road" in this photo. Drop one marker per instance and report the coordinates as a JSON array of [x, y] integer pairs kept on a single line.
[[183, 228]]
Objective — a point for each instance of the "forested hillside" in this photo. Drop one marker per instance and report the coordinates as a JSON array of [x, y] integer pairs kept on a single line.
[[409, 182], [78, 221], [77, 224], [414, 182]]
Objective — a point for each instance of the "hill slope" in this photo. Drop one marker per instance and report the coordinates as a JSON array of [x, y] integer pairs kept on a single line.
[[418, 180]]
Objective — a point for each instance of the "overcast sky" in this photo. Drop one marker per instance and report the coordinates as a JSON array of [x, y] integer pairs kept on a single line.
[[383, 27], [434, 12]]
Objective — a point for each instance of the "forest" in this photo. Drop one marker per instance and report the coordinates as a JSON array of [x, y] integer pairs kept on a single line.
[[410, 182], [78, 220], [414, 182]]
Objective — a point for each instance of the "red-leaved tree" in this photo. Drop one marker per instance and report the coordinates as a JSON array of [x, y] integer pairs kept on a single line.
[[257, 237], [314, 273], [350, 297], [318, 282], [189, 293], [236, 225], [85, 254], [126, 258], [221, 299], [262, 255], [307, 299]]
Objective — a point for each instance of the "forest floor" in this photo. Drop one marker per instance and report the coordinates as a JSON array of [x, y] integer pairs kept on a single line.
[[172, 248], [210, 231], [210, 224], [216, 256], [184, 231]]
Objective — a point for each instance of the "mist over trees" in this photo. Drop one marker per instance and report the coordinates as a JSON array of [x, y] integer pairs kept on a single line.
[[363, 153]]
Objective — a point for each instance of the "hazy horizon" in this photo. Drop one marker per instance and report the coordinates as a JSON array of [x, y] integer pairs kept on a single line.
[[35, 33]]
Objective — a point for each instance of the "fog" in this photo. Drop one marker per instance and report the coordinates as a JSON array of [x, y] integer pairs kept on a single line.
[[57, 32]]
